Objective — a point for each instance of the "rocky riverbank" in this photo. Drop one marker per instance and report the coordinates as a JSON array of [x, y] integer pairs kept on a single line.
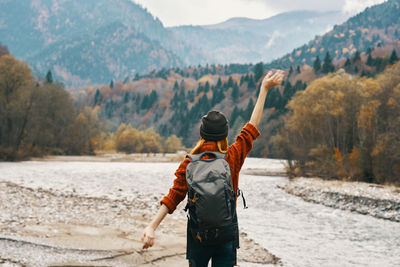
[[370, 199], [48, 227]]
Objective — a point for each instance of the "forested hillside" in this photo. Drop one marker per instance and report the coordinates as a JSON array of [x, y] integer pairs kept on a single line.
[[173, 101], [115, 50], [375, 26]]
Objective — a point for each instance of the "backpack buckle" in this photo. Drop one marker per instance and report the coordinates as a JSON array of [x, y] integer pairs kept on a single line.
[[194, 199], [198, 237]]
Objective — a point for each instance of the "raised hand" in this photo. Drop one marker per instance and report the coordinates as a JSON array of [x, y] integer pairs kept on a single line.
[[272, 79]]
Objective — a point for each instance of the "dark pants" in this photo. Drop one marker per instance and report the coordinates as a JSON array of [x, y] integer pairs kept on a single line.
[[220, 255]]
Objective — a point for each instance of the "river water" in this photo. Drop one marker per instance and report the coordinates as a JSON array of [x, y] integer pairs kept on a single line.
[[298, 232]]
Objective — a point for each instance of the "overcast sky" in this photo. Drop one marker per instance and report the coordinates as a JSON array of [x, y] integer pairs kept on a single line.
[[202, 12]]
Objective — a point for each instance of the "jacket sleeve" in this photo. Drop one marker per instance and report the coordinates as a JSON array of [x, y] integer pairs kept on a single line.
[[179, 189], [243, 145]]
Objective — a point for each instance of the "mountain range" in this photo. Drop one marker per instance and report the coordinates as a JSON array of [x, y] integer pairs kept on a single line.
[[95, 41], [244, 40], [102, 39]]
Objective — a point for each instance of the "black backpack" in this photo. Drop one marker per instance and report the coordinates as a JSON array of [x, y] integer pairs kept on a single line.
[[211, 200]]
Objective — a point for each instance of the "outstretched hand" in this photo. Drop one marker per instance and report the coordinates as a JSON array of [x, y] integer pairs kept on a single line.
[[148, 237], [272, 79]]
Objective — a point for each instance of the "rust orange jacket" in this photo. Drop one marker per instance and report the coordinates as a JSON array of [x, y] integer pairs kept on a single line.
[[235, 157]]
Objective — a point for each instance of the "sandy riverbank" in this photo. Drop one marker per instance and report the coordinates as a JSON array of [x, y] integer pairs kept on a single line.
[[51, 228], [370, 199]]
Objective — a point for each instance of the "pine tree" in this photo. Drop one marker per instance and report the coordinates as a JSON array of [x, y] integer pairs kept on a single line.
[[218, 95], [195, 75], [347, 63], [219, 83], [96, 97], [251, 85], [153, 98], [176, 86], [290, 71], [235, 93], [126, 96], [370, 61], [204, 104], [230, 82], [207, 87], [328, 66], [249, 109], [182, 95], [175, 101], [191, 96], [138, 99], [234, 115], [274, 99], [298, 69], [49, 77], [241, 80], [317, 65], [145, 102], [213, 70], [357, 57], [258, 71], [393, 57], [112, 84], [199, 88]]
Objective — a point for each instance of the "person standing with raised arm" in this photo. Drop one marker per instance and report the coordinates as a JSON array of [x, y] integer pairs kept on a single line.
[[213, 144]]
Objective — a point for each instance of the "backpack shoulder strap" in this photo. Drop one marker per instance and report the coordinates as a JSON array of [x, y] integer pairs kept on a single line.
[[197, 157]]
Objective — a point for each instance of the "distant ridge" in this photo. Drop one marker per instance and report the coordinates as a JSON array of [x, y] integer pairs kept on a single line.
[[375, 26], [245, 40]]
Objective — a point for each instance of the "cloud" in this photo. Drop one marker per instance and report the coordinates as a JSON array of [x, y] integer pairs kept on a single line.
[[291, 5], [356, 6], [201, 12], [273, 38], [347, 6]]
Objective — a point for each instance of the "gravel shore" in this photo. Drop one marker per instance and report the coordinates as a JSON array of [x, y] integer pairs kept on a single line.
[[41, 227], [370, 199]]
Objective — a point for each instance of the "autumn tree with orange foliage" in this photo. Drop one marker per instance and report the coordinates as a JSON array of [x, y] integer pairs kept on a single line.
[[131, 140], [38, 118], [345, 127]]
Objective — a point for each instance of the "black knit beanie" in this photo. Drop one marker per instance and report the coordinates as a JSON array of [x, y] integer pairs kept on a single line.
[[214, 126]]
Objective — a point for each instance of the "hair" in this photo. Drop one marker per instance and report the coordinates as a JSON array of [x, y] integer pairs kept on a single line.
[[221, 144]]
